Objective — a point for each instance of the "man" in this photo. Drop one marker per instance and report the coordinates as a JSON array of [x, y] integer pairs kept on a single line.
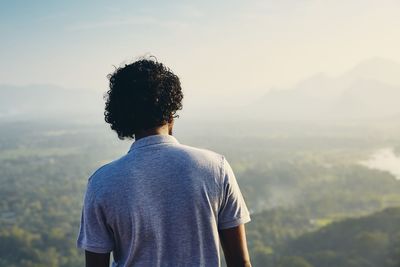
[[163, 203]]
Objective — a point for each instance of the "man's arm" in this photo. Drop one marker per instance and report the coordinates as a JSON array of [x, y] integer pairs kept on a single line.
[[234, 244], [97, 259]]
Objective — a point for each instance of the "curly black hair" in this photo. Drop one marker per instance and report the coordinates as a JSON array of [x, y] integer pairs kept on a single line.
[[142, 95]]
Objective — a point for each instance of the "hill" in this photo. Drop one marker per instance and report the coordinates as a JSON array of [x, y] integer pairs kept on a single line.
[[372, 240]]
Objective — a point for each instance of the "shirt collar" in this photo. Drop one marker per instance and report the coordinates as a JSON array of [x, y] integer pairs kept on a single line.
[[153, 140]]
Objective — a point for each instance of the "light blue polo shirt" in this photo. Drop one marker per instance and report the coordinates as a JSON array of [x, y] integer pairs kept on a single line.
[[161, 204]]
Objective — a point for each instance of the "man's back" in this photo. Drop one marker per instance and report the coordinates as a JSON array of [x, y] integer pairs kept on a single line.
[[162, 204]]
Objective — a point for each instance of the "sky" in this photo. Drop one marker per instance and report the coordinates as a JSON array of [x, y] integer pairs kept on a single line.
[[232, 50]]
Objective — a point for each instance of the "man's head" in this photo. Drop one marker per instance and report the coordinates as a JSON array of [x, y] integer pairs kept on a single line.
[[143, 95]]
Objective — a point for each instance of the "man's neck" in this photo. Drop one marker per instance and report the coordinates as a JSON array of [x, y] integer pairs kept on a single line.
[[165, 129]]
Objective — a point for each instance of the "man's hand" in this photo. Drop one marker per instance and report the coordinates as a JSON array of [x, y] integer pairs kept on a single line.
[[233, 241], [97, 259]]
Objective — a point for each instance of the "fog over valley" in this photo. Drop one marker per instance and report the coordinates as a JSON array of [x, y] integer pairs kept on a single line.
[[384, 159]]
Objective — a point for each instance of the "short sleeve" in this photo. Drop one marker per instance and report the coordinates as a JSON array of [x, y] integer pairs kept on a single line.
[[233, 210], [94, 233]]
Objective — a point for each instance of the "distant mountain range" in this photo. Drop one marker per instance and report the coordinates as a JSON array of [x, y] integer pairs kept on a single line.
[[48, 102], [370, 90]]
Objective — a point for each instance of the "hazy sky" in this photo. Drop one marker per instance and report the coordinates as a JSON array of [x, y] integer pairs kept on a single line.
[[216, 47]]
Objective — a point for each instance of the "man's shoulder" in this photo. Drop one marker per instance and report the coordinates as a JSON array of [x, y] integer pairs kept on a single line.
[[102, 174], [201, 153]]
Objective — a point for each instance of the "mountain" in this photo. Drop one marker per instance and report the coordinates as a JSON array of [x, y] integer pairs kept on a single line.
[[47, 101], [368, 91], [375, 69]]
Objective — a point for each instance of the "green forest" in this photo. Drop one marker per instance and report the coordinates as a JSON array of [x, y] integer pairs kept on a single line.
[[313, 203]]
